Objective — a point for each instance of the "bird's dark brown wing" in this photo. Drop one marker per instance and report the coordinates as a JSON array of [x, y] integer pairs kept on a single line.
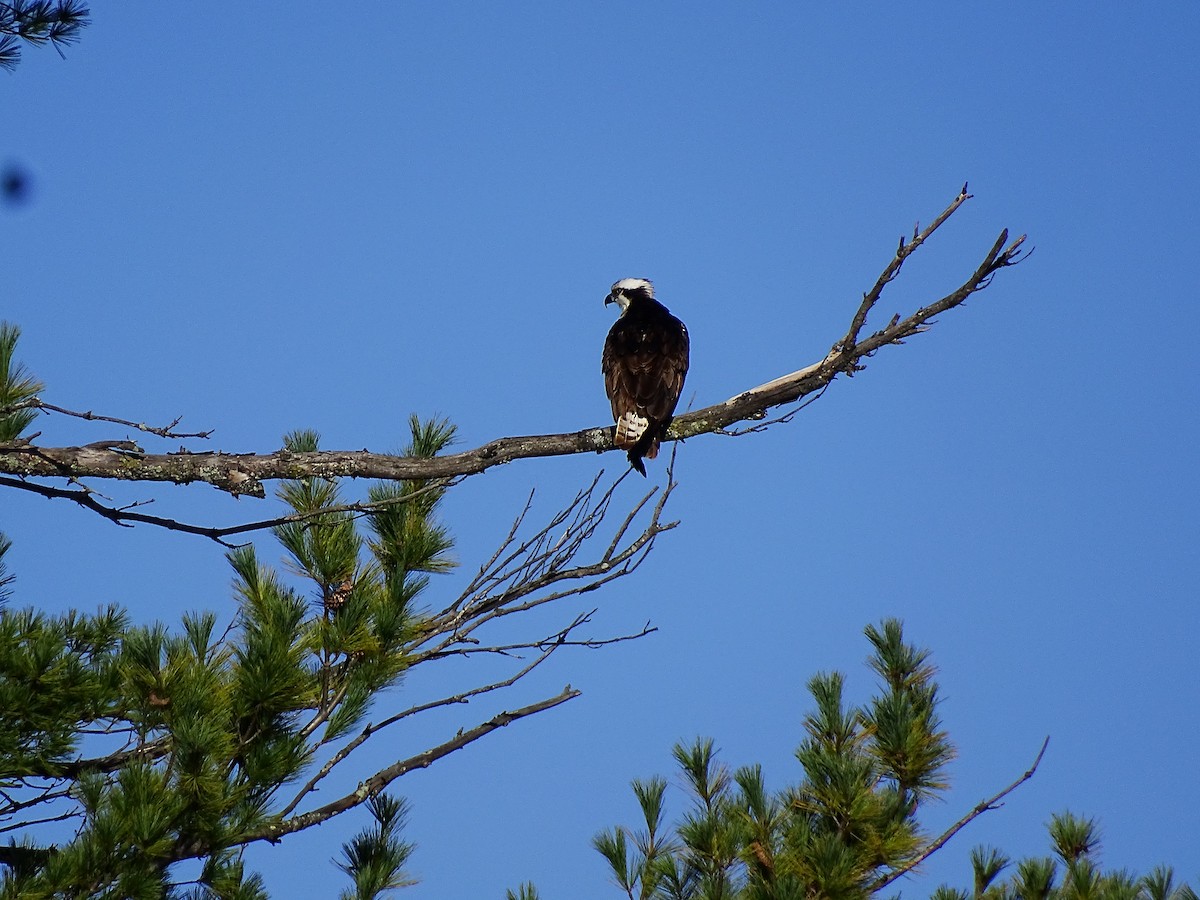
[[669, 372], [617, 383], [645, 362]]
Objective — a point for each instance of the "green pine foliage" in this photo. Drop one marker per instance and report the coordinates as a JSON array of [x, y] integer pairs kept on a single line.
[[1073, 872], [851, 818], [16, 387], [5, 578], [527, 891], [850, 823], [148, 746], [375, 858], [55, 671]]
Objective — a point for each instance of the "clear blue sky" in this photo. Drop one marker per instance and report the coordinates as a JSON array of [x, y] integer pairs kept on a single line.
[[272, 220]]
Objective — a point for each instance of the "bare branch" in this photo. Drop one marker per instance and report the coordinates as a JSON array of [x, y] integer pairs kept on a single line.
[[377, 783], [61, 817], [542, 644], [933, 846], [547, 646], [764, 424], [244, 474], [753, 404], [893, 269], [542, 568], [48, 793], [165, 431], [151, 750], [125, 515]]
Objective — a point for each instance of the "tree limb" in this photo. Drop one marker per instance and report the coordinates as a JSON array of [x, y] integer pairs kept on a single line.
[[149, 751], [244, 474]]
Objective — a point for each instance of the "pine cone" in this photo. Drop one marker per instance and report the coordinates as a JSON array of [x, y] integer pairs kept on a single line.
[[336, 599]]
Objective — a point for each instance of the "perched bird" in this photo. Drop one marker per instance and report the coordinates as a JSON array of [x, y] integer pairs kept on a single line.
[[645, 361]]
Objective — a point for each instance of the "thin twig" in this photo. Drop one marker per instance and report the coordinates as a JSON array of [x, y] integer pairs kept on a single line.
[[378, 782], [933, 846], [608, 567], [515, 648], [71, 814], [163, 432], [464, 697]]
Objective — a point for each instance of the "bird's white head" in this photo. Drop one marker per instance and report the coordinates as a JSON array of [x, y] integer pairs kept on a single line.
[[628, 289]]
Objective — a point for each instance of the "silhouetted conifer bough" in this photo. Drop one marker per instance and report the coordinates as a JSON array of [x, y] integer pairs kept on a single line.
[[39, 22]]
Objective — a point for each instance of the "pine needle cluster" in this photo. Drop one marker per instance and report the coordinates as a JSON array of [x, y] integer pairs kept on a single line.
[[16, 385], [39, 22]]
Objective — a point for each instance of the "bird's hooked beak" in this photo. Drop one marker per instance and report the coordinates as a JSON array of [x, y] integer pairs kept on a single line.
[[608, 298]]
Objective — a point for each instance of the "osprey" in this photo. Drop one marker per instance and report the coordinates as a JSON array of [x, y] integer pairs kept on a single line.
[[645, 361]]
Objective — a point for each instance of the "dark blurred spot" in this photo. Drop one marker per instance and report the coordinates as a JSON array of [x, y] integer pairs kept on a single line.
[[15, 187]]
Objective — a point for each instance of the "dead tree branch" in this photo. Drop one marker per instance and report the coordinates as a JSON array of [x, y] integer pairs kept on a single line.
[[245, 473], [546, 648], [164, 431], [543, 568]]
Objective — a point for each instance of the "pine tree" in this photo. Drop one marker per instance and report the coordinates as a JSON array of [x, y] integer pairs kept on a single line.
[[160, 747], [837, 833], [850, 826]]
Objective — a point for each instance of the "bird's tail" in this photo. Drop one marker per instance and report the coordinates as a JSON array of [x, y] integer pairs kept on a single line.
[[639, 435], [636, 462], [631, 428]]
